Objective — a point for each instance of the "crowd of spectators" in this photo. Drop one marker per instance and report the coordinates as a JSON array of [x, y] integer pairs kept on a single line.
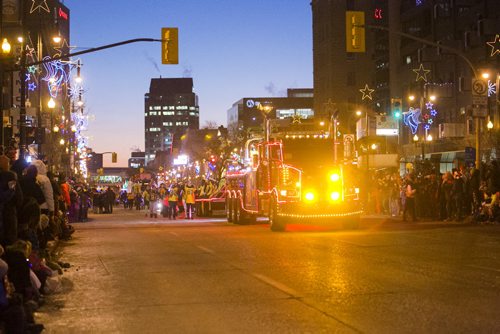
[[36, 207], [450, 196]]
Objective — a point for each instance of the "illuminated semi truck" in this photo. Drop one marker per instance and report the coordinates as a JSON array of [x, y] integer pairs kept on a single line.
[[292, 177]]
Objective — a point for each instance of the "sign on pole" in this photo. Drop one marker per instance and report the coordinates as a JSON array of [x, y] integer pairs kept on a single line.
[[479, 87]]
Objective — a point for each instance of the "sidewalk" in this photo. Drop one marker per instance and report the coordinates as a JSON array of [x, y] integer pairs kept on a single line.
[[420, 221]]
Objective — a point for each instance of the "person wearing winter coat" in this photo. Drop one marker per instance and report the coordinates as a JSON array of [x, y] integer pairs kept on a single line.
[[189, 199], [46, 186], [7, 190]]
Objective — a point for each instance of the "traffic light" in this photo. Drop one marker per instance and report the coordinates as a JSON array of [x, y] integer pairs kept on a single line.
[[355, 31], [169, 46], [100, 171], [114, 157], [396, 108]]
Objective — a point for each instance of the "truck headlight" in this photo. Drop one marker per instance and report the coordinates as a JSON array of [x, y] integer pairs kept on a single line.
[[309, 196], [335, 196], [334, 177]]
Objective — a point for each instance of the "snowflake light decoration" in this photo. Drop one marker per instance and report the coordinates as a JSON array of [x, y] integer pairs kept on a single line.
[[492, 88]]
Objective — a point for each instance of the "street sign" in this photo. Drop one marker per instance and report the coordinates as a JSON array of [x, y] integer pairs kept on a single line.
[[479, 112], [479, 87], [480, 100]]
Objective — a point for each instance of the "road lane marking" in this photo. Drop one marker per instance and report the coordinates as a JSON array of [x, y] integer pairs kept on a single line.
[[277, 285], [105, 268], [483, 268], [173, 233], [205, 249]]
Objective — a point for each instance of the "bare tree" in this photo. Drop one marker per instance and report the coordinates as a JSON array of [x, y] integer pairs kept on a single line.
[[210, 125]]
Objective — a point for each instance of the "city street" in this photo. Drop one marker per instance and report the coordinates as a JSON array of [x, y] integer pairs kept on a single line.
[[134, 274]]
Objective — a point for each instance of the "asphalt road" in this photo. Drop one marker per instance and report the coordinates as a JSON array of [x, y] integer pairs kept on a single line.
[[133, 274]]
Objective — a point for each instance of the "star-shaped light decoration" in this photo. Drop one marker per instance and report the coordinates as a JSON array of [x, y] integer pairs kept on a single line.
[[429, 105], [32, 86], [29, 51], [39, 4], [434, 113], [430, 121], [421, 73], [427, 127], [28, 77], [495, 45], [296, 119], [63, 47], [329, 106], [367, 92], [32, 69]]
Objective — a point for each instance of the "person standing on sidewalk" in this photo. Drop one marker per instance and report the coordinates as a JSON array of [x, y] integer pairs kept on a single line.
[[189, 199], [172, 202], [410, 192]]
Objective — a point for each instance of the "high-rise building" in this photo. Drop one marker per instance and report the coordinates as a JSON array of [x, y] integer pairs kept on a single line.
[[170, 109], [338, 75], [396, 66]]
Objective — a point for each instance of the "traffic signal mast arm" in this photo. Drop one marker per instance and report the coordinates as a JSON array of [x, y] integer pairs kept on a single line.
[[113, 156], [99, 48], [424, 41]]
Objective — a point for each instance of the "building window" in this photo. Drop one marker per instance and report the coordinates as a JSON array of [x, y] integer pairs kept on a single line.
[[167, 113], [154, 129], [181, 107], [152, 113], [157, 108]]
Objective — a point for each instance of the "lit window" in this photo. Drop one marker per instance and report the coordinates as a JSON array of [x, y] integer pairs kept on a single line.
[[152, 113], [157, 108], [408, 59]]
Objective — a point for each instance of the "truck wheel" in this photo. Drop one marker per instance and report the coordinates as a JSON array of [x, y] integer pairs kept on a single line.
[[229, 209], [276, 222], [238, 213]]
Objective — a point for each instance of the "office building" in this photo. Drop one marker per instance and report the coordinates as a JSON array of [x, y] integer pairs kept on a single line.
[[170, 109]]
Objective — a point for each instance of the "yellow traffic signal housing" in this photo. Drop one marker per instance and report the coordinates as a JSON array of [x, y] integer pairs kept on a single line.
[[355, 31], [170, 46], [100, 171], [114, 157]]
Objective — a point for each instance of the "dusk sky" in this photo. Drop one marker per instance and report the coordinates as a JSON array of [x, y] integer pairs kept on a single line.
[[231, 48]]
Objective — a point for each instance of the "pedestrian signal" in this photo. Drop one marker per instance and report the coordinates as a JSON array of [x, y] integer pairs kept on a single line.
[[169, 46], [396, 108], [114, 157], [355, 31]]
